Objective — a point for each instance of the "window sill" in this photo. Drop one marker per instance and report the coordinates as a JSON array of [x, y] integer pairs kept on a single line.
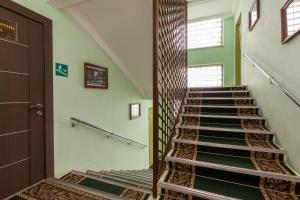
[[212, 47]]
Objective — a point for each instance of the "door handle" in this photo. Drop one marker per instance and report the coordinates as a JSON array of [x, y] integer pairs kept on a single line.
[[37, 106]]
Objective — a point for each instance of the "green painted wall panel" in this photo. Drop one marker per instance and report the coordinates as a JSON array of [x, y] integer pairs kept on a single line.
[[83, 148], [218, 55], [264, 45]]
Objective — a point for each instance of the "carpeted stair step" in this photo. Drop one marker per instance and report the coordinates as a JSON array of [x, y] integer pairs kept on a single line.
[[218, 88], [176, 192], [260, 165], [219, 101], [222, 129], [223, 185], [221, 110], [145, 172], [116, 179], [58, 189], [223, 120], [121, 189], [245, 149], [203, 94], [124, 176], [133, 176]]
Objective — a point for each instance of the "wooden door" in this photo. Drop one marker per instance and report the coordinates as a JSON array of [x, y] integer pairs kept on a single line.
[[22, 102]]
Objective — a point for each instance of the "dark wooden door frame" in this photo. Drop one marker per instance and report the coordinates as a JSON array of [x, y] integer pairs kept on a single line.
[[48, 58]]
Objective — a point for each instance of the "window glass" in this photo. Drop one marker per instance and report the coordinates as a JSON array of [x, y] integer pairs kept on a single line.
[[293, 18], [205, 76], [208, 33]]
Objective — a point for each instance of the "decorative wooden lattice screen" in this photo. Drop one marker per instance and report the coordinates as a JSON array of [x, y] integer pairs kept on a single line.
[[169, 75]]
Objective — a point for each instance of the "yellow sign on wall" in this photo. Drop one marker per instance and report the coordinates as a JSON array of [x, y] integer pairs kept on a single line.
[[8, 30]]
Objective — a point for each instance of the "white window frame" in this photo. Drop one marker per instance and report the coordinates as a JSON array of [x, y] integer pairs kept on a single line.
[[210, 65], [222, 35]]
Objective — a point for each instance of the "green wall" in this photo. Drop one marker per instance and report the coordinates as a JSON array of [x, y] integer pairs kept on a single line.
[[83, 148], [218, 55], [264, 45]]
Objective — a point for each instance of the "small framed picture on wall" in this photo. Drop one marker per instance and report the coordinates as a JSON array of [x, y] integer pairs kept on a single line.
[[135, 110], [95, 76]]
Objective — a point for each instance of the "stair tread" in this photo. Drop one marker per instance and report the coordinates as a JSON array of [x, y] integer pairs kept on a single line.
[[193, 192], [218, 98], [222, 91], [219, 106], [228, 146], [129, 176], [101, 184], [222, 116], [223, 87], [53, 187], [99, 175], [181, 126], [237, 165], [218, 186]]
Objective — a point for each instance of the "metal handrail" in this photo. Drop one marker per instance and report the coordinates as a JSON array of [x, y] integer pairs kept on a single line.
[[273, 80], [75, 122]]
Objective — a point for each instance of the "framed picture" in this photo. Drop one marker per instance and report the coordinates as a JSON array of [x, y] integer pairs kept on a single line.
[[254, 14], [95, 76], [135, 110]]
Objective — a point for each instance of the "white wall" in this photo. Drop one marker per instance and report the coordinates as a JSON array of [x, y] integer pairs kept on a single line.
[[282, 61]]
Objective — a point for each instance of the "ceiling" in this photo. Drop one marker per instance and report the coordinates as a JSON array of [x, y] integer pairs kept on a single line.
[[206, 8], [123, 29]]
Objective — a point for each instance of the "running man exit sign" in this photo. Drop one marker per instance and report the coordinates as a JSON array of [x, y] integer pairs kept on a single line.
[[61, 70]]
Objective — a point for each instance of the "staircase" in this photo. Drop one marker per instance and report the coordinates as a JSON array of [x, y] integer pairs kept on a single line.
[[114, 185], [224, 150]]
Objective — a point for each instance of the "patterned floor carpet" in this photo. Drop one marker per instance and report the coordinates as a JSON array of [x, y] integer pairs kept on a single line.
[[92, 186]]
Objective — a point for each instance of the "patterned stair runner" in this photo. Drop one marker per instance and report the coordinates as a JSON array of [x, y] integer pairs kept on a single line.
[[224, 150], [115, 185]]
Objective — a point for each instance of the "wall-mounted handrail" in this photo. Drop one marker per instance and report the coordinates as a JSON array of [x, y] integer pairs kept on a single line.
[[273, 80], [75, 122]]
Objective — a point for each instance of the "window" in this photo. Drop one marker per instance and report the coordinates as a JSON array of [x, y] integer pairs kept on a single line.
[[135, 110], [290, 20], [205, 76], [208, 33], [253, 14]]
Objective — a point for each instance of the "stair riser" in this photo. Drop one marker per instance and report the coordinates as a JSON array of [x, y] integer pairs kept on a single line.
[[224, 111], [227, 94], [219, 102], [218, 89], [225, 121], [220, 134]]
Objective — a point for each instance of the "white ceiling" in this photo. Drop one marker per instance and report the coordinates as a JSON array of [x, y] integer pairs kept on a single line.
[[206, 8], [123, 29]]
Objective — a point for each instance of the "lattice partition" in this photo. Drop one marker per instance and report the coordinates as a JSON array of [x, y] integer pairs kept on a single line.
[[169, 75]]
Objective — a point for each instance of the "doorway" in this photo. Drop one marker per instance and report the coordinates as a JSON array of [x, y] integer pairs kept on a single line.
[[238, 50], [26, 133], [150, 137]]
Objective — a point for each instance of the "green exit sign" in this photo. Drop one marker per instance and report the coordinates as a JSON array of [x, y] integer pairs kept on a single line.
[[61, 70]]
